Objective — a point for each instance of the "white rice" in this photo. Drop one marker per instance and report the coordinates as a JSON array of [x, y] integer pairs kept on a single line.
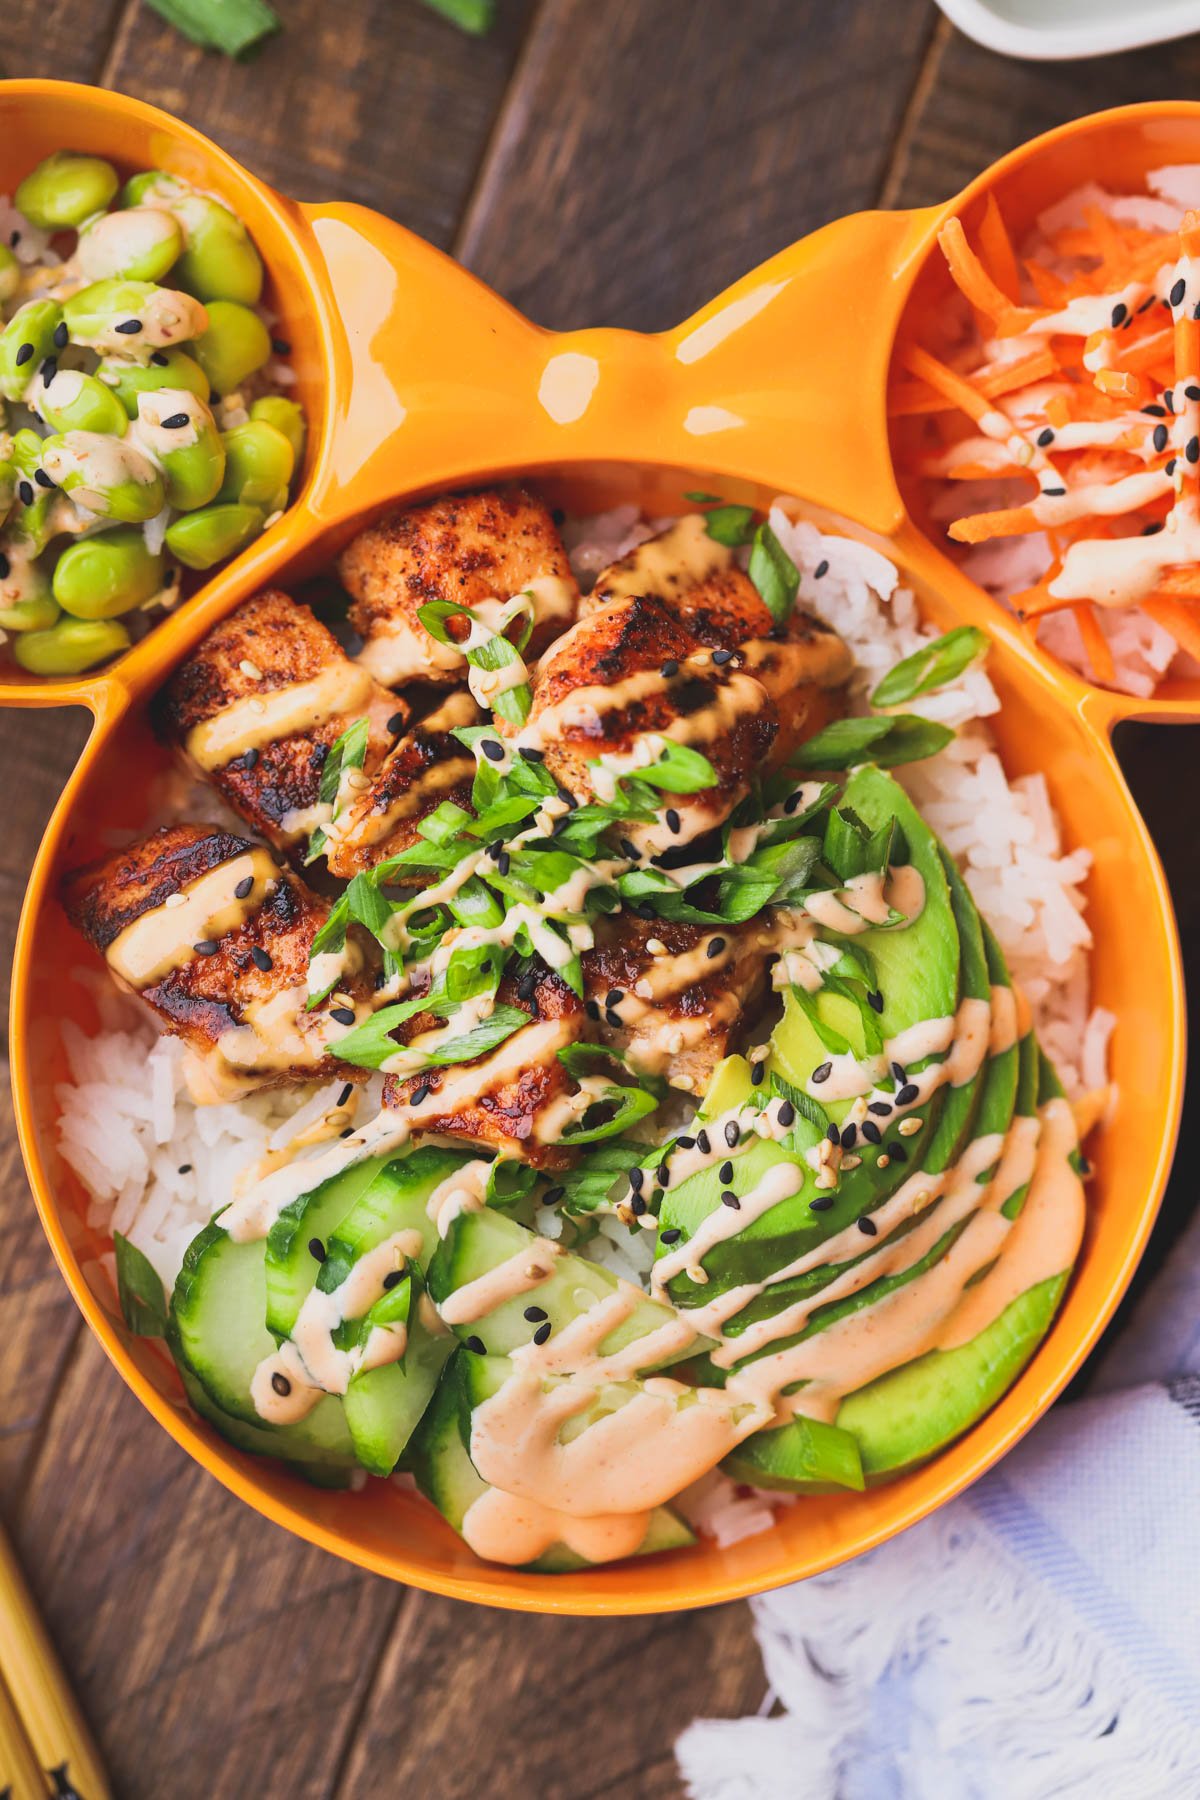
[[156, 1166]]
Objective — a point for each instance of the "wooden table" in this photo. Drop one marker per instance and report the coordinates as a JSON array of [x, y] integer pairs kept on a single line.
[[600, 162]]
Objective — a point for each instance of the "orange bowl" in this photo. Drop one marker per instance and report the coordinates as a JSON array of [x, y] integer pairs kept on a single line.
[[418, 378]]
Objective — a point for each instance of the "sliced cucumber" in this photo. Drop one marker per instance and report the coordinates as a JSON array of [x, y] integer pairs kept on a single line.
[[478, 1242], [806, 1456], [384, 1405], [291, 1266]]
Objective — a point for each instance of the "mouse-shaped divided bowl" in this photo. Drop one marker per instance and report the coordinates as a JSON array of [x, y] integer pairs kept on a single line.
[[418, 379]]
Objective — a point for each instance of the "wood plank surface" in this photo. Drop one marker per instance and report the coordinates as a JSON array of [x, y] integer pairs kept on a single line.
[[600, 161]]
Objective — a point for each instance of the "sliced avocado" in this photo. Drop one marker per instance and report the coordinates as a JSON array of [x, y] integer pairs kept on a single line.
[[384, 1404], [439, 1458], [909, 1414], [805, 1456], [918, 967], [478, 1242], [216, 1334]]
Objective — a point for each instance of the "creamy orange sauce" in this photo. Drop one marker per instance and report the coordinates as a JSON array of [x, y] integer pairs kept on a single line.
[[665, 567], [506, 1528], [341, 690], [209, 908]]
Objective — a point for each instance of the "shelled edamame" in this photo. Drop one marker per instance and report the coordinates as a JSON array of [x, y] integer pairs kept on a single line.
[[142, 426]]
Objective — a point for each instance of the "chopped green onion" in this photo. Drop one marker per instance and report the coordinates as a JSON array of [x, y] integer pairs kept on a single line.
[[230, 26], [474, 16], [730, 525], [774, 574], [139, 1289], [933, 666], [887, 742]]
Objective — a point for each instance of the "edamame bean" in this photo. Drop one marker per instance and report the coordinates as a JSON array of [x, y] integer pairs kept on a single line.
[[180, 434], [29, 520], [166, 369], [219, 261], [234, 346], [200, 539], [10, 273], [153, 187], [66, 189], [71, 646], [8, 486], [108, 476], [286, 416], [132, 318], [138, 245], [109, 573], [25, 600], [77, 402], [27, 340], [258, 465]]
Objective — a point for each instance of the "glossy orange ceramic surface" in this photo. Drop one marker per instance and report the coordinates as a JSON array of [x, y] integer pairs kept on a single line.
[[416, 378]]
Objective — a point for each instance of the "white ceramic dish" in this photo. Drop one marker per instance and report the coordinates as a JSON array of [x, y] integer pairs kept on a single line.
[[1055, 30]]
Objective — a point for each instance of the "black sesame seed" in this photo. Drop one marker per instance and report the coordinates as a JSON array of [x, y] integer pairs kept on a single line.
[[614, 996], [527, 986], [553, 1195], [732, 1135], [43, 480], [670, 668], [644, 910], [1045, 437], [792, 803], [868, 1227], [206, 947], [1159, 439], [343, 1014], [261, 959], [822, 1072], [1171, 467], [832, 1133], [875, 1002], [129, 327], [316, 1249], [476, 1345], [849, 1136], [379, 979], [637, 1206], [663, 1174], [14, 238], [613, 1021], [758, 1073], [542, 1333], [1169, 399], [49, 370], [880, 1108], [822, 1203], [250, 759], [685, 1143], [185, 1168], [503, 863], [591, 1009], [1178, 291], [1120, 313], [158, 359], [391, 1279], [531, 755], [5, 567], [24, 355], [822, 568], [420, 1094], [1193, 450], [636, 1178], [492, 750], [61, 337], [715, 947], [1155, 412], [535, 1314], [1153, 529], [787, 1113], [897, 1152], [281, 347], [347, 1132], [721, 657], [345, 1093], [566, 796], [725, 1172], [669, 1236], [25, 492], [898, 1074], [244, 888], [1054, 492], [176, 422], [673, 820], [908, 1093], [1147, 303], [281, 1384], [629, 850], [703, 1144], [872, 1132], [730, 1199]]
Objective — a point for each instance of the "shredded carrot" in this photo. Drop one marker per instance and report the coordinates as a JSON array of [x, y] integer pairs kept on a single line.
[[1094, 642], [1117, 384], [1034, 602], [1182, 584], [977, 285], [1008, 521], [1175, 616], [996, 252]]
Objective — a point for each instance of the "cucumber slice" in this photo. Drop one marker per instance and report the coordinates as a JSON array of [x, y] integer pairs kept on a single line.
[[478, 1242], [261, 1439], [806, 1456], [440, 1460], [290, 1264], [384, 1405], [397, 1200], [216, 1333]]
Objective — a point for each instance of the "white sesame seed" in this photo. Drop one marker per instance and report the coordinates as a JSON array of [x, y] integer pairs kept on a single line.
[[656, 947], [851, 1162], [698, 1275], [250, 670], [909, 1126]]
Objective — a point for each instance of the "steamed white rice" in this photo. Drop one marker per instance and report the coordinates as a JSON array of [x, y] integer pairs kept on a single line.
[[155, 1166]]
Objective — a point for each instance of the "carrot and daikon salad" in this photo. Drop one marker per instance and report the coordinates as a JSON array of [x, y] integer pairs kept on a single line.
[[1057, 417]]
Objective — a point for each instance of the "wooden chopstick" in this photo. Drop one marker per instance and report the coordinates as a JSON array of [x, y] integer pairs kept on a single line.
[[45, 1747]]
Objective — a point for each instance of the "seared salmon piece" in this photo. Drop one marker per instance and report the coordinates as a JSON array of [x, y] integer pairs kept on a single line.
[[620, 683], [426, 766], [257, 707], [214, 936], [468, 548], [518, 1099], [801, 663], [672, 997]]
